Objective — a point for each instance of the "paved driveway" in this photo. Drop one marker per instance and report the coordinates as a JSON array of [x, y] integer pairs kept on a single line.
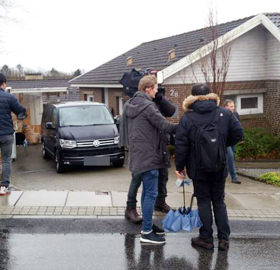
[[32, 172]]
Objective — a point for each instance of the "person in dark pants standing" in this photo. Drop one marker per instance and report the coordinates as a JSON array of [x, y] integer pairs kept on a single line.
[[209, 186], [167, 109], [141, 131], [229, 104], [8, 104]]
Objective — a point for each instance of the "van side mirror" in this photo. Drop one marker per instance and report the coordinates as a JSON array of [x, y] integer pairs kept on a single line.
[[49, 125]]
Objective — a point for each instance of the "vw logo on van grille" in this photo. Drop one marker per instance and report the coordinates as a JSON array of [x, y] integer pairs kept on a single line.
[[96, 143]]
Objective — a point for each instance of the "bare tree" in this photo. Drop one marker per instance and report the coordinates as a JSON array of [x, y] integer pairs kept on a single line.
[[214, 66]]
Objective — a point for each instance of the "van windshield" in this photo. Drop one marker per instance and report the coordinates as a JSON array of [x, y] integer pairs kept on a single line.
[[84, 116]]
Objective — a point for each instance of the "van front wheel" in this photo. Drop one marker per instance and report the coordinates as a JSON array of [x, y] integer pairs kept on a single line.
[[60, 167]]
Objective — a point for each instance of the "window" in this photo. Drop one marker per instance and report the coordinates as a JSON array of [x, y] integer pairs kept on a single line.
[[249, 104], [89, 97], [54, 117], [85, 116]]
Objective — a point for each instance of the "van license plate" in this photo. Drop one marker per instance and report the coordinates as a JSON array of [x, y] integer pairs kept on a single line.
[[96, 161]]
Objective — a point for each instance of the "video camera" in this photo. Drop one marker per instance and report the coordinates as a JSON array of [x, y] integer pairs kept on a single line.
[[130, 81]]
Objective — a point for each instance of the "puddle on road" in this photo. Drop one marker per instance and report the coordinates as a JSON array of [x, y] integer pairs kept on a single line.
[[124, 251]]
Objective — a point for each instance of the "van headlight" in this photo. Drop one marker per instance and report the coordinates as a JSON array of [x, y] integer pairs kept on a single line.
[[116, 140], [67, 143]]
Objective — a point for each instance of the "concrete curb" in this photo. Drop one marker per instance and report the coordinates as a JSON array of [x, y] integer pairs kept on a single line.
[[116, 212]]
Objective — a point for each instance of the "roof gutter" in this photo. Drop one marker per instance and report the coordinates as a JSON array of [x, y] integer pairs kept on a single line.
[[38, 90], [97, 85]]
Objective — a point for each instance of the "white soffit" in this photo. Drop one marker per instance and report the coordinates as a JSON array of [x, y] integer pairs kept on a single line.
[[205, 50], [97, 85], [38, 90]]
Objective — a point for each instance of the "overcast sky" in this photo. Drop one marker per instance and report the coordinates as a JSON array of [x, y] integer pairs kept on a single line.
[[67, 35]]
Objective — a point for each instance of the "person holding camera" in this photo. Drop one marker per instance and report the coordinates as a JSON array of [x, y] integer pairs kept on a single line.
[[167, 109], [8, 104], [142, 126]]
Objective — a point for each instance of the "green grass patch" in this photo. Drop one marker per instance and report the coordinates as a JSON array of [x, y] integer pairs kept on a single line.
[[272, 178]]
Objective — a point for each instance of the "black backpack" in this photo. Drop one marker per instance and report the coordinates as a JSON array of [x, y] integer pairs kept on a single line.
[[208, 144]]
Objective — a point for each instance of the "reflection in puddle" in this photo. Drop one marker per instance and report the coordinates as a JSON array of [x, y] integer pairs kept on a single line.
[[19, 251]]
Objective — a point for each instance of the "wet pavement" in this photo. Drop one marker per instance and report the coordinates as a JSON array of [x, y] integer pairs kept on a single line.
[[114, 244], [37, 190]]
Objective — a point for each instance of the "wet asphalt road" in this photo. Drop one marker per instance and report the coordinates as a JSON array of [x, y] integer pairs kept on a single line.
[[114, 244]]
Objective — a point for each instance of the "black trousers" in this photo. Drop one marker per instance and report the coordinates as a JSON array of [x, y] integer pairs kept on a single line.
[[136, 182], [211, 192]]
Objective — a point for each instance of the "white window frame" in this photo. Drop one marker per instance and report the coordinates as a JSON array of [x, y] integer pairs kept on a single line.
[[120, 105], [89, 96], [257, 110]]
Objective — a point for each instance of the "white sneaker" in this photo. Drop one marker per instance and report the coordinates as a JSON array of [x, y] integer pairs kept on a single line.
[[4, 190]]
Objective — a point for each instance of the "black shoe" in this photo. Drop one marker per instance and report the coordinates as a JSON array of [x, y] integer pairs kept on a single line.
[[158, 230], [236, 181], [198, 242], [223, 245], [132, 215], [152, 238]]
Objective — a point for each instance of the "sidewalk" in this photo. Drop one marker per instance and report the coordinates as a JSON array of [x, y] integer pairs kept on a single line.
[[107, 198], [255, 169], [249, 200]]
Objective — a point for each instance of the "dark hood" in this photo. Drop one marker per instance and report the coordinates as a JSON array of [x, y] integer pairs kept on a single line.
[[205, 106], [137, 104], [88, 132]]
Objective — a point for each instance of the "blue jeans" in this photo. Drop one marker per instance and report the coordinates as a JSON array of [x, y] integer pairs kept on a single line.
[[149, 195], [6, 145], [136, 182], [230, 162]]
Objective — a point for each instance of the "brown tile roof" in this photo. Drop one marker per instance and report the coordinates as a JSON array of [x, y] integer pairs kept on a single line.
[[154, 54]]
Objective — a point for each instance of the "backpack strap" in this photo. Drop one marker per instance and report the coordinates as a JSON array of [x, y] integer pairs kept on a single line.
[[216, 115]]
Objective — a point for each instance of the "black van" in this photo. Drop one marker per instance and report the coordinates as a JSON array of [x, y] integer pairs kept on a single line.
[[80, 133]]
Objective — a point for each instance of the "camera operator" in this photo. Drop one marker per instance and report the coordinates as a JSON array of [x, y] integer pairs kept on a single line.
[[167, 109]]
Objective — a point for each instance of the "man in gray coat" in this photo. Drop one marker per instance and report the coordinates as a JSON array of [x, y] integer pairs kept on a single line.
[[144, 122]]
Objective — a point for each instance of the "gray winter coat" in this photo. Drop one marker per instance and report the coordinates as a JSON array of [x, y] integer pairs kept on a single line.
[[144, 124]]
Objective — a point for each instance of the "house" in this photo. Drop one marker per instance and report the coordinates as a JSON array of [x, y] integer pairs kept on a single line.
[[253, 78], [35, 91]]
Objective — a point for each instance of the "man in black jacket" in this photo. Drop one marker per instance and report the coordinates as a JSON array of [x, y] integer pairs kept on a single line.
[[167, 109], [229, 104], [143, 123], [209, 187], [8, 104]]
